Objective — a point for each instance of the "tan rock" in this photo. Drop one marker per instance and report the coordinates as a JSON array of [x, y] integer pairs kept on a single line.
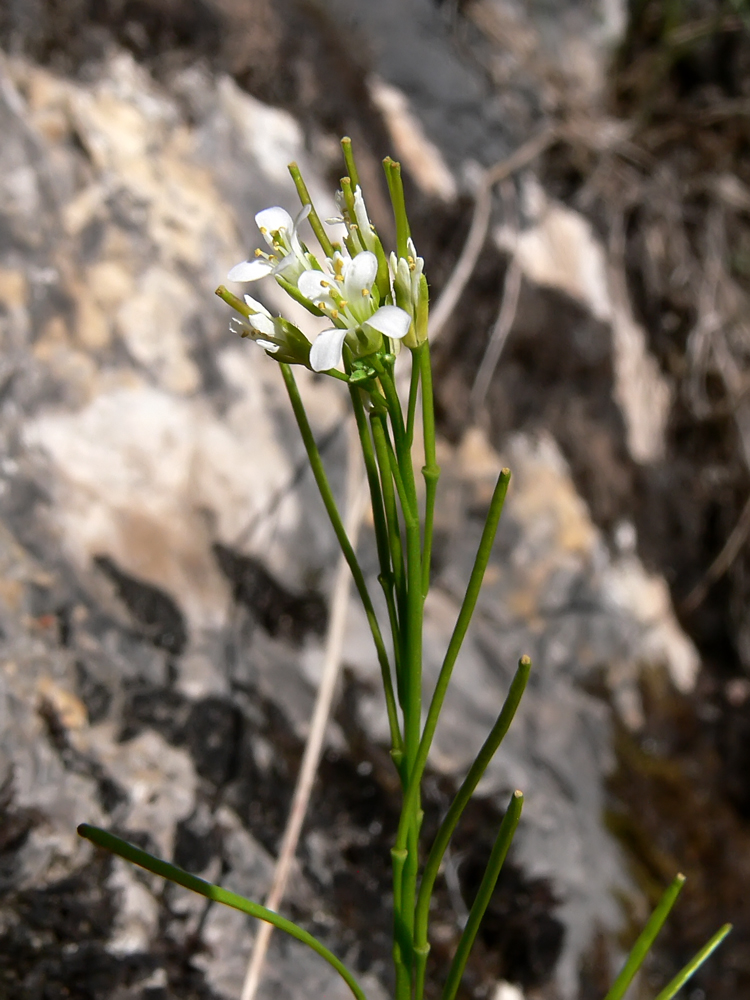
[[151, 324], [13, 289], [78, 212], [69, 709], [110, 283], [92, 328], [52, 337]]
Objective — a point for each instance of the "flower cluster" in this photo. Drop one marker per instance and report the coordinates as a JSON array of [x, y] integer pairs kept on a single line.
[[373, 303]]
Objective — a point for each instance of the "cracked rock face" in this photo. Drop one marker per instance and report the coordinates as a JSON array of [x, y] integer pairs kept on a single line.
[[165, 567]]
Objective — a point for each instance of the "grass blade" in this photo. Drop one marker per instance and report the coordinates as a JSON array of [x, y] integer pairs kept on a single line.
[[214, 892], [489, 880], [694, 964], [642, 946]]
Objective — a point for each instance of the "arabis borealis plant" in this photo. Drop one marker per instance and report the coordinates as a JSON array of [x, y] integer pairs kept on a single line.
[[373, 303]]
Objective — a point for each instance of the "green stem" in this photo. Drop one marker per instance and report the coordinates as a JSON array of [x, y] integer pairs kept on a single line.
[[421, 951], [465, 614], [470, 782], [412, 665], [694, 964], [497, 857], [351, 169], [403, 474], [408, 508], [293, 292], [416, 770], [409, 878], [411, 671], [431, 470], [412, 407], [380, 439], [646, 938], [315, 223], [396, 191], [383, 536], [373, 481], [324, 488], [397, 419], [214, 892], [232, 300], [401, 940]]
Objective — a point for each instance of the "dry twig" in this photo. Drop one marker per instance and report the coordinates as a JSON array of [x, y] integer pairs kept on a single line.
[[506, 314], [731, 549], [480, 222], [709, 338]]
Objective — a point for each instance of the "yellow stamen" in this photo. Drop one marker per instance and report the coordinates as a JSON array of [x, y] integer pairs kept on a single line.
[[334, 314], [365, 292]]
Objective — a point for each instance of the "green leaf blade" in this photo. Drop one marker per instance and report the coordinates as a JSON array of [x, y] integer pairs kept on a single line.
[[694, 964], [645, 940], [172, 873]]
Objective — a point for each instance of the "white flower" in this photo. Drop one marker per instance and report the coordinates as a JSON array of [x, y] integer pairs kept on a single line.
[[288, 257], [274, 334], [260, 322], [346, 295]]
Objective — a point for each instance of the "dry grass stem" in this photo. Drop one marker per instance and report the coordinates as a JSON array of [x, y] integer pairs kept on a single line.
[[480, 223]]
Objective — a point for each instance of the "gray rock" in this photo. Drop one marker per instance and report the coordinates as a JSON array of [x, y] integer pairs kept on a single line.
[[137, 689]]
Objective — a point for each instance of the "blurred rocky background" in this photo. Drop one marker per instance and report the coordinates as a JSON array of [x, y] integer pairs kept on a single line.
[[166, 564]]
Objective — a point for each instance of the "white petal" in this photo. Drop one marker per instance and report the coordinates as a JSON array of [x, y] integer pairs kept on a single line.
[[261, 323], [302, 215], [250, 270], [325, 353], [268, 346], [314, 285], [238, 326], [285, 263], [390, 321], [256, 306], [273, 219], [360, 211], [360, 274]]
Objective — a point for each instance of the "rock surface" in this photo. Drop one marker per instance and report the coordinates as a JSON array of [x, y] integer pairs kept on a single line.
[[166, 566]]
